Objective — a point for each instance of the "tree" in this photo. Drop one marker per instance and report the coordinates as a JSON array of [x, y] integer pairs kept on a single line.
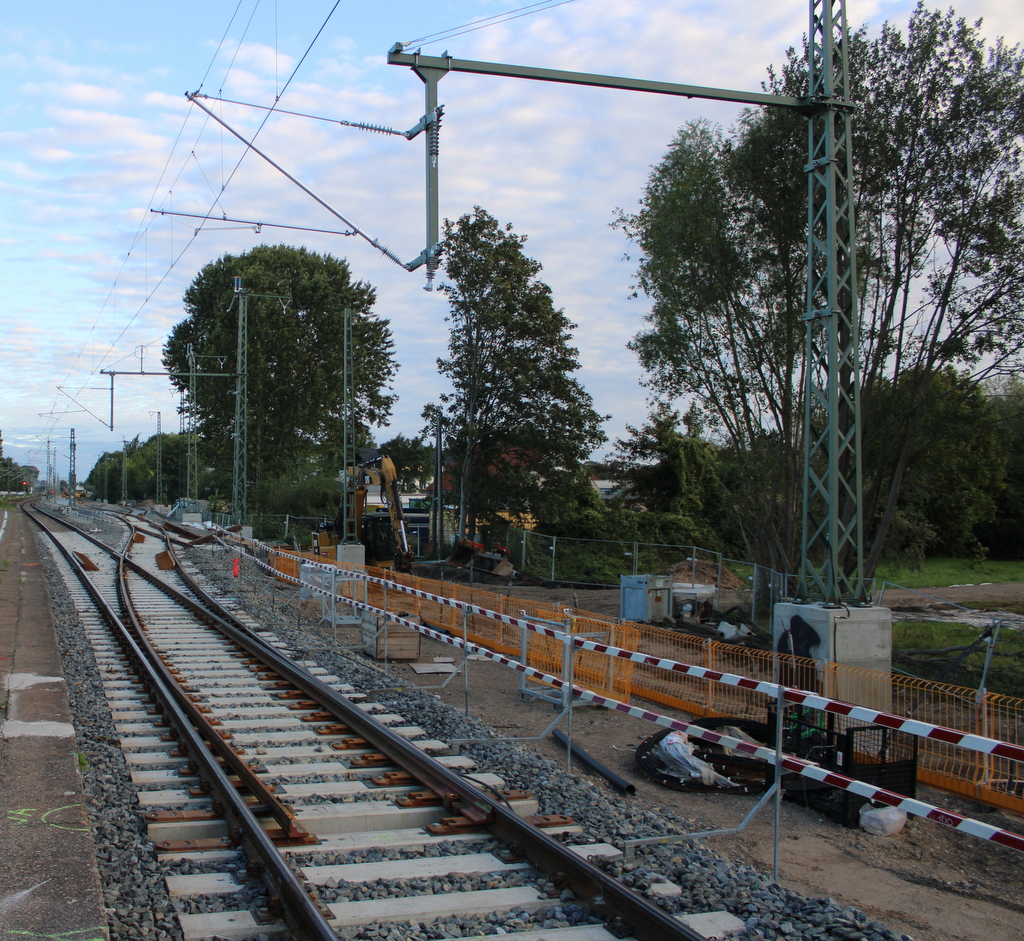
[[413, 459], [295, 359], [953, 472], [518, 421], [1003, 535], [665, 470], [940, 239]]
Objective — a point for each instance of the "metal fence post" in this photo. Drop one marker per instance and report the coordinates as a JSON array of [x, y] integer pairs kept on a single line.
[[753, 594]]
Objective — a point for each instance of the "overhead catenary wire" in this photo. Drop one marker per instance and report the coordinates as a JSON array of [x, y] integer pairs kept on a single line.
[[495, 20], [143, 220], [359, 125], [218, 195], [334, 212], [176, 257]]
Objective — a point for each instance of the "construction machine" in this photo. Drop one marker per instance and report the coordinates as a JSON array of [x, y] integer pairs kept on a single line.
[[383, 533]]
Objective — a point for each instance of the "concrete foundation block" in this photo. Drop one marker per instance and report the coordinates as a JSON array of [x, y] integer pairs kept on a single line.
[[713, 924]]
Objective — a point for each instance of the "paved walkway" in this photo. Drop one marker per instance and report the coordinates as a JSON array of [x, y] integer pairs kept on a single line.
[[49, 887]]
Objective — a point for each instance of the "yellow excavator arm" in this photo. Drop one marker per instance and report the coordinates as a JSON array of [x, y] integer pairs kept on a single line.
[[392, 498]]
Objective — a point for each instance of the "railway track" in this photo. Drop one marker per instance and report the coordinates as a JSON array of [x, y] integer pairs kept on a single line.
[[267, 782]]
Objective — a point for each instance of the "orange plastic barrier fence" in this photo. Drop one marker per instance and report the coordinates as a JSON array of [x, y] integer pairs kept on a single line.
[[982, 777]]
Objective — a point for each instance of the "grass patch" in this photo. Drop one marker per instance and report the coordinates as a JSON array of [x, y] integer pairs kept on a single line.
[[942, 573], [926, 649]]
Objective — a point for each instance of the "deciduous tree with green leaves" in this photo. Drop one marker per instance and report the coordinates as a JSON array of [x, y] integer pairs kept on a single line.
[[413, 459], [953, 473], [1003, 535], [295, 358], [938, 147], [666, 470], [517, 420]]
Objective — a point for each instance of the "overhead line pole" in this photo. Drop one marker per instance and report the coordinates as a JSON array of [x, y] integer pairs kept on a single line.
[[240, 470], [71, 471], [831, 569], [159, 461]]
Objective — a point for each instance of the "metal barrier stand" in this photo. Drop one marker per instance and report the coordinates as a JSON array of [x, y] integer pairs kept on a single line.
[[774, 793]]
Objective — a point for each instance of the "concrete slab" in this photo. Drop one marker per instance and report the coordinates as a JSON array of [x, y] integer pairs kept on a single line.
[[428, 907], [207, 883], [429, 868], [577, 933], [232, 926], [713, 925], [597, 851], [49, 885], [411, 838]]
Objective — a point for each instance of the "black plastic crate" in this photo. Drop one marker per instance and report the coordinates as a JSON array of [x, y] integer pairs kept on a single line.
[[873, 754]]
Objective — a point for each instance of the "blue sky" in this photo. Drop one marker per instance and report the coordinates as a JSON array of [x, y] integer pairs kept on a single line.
[[95, 131]]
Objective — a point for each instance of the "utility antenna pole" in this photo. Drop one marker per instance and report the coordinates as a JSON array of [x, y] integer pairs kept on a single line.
[[124, 471], [159, 461], [348, 458], [240, 475], [71, 472]]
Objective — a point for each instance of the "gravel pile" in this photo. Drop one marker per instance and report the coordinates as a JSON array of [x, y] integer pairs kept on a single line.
[[139, 906]]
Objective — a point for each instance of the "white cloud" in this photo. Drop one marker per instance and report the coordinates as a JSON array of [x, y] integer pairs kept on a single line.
[[88, 139]]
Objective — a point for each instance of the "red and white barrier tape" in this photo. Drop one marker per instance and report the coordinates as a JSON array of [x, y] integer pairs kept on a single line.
[[799, 697], [807, 769], [795, 696]]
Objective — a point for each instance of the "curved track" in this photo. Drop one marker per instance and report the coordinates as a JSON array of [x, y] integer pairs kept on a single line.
[[238, 749]]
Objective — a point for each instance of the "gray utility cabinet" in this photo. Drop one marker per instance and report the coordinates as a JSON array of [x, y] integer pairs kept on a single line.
[[645, 598]]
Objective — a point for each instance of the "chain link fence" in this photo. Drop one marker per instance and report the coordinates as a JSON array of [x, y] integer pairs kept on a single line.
[[273, 527], [602, 562], [595, 563]]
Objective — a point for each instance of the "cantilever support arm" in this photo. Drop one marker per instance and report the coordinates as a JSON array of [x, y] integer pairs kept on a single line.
[[193, 97], [431, 69], [421, 63]]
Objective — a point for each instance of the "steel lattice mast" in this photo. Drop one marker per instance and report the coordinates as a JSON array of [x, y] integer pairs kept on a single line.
[[831, 552], [159, 460], [831, 567], [191, 432], [349, 472], [72, 472], [240, 475]]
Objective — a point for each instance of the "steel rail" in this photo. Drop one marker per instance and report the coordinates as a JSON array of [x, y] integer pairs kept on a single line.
[[298, 908], [605, 893], [274, 807]]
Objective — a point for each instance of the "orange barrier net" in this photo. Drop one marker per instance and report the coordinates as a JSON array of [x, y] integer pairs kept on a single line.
[[987, 778]]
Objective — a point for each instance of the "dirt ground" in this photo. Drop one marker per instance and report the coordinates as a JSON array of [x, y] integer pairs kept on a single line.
[[928, 881]]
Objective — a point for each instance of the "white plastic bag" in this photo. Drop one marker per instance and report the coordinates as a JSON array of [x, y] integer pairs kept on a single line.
[[882, 821], [677, 754]]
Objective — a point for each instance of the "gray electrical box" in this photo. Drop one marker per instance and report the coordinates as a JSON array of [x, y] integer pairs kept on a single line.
[[645, 598]]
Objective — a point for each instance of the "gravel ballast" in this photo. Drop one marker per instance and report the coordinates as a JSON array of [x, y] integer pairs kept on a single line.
[[138, 905]]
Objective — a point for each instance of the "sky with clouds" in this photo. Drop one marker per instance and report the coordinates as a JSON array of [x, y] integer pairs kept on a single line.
[[95, 131]]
